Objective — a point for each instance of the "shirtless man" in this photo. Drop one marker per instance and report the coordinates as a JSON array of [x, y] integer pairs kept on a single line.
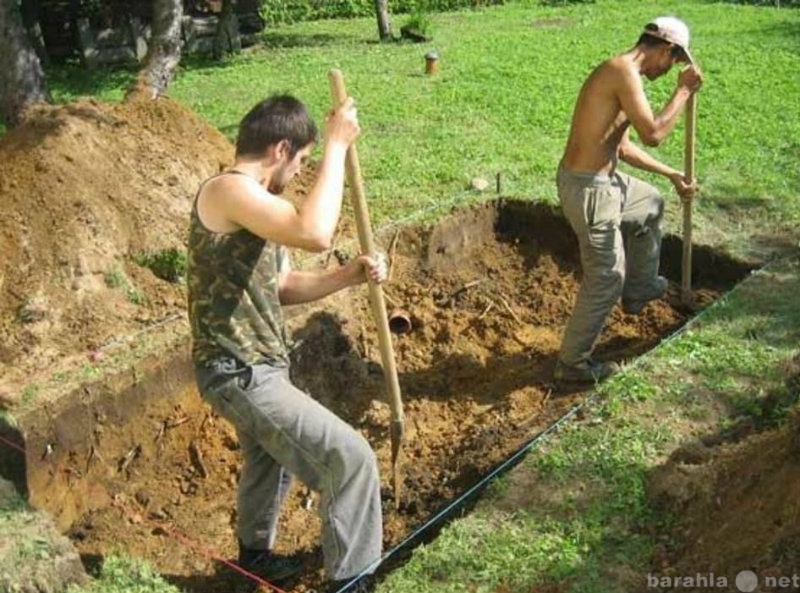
[[616, 217]]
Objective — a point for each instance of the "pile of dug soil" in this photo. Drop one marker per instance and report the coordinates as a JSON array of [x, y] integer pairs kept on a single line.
[[87, 191], [736, 501]]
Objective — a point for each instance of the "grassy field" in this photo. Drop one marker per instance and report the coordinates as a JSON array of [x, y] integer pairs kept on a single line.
[[501, 103], [503, 97]]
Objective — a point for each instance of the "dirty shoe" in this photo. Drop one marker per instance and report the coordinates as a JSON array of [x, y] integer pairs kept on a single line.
[[363, 585], [587, 372], [634, 307], [269, 566]]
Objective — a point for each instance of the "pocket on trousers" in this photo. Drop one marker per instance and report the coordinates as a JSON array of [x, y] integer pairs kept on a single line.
[[232, 403], [245, 378], [603, 209]]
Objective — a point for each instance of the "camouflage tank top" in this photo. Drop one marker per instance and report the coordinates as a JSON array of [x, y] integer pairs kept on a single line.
[[234, 309]]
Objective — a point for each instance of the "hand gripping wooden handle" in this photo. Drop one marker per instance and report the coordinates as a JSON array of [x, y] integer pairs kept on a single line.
[[375, 292]]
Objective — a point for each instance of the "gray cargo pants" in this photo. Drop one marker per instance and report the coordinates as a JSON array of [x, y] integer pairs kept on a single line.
[[618, 222], [283, 432]]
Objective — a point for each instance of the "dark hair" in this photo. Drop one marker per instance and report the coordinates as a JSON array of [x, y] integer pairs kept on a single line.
[[652, 41], [279, 117]]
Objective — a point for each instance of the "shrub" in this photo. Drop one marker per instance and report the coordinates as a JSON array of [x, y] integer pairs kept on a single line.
[[419, 22], [168, 264]]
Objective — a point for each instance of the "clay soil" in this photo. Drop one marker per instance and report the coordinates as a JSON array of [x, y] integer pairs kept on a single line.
[[735, 500], [87, 187]]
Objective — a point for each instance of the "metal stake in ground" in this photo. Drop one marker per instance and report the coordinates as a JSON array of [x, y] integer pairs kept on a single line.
[[689, 173], [375, 293]]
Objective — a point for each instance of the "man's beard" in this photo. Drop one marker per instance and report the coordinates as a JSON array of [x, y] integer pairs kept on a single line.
[[276, 188]]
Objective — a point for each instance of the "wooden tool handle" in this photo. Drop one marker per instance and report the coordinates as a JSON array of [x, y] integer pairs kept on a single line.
[[689, 173], [368, 246], [691, 130]]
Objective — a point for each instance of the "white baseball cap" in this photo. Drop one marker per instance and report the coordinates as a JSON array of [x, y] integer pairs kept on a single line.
[[671, 29]]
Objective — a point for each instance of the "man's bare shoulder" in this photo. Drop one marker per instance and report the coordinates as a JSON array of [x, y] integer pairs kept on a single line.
[[614, 69], [234, 185]]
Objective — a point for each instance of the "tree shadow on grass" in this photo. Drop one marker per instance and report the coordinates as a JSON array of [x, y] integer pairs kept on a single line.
[[293, 40], [789, 30], [76, 80]]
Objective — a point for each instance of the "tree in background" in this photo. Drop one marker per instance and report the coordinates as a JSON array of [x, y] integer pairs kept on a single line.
[[22, 81], [226, 41], [384, 25], [164, 51]]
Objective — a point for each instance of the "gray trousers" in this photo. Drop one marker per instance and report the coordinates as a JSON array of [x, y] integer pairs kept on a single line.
[[283, 432], [618, 222]]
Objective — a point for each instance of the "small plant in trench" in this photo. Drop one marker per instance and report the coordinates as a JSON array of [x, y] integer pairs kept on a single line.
[[116, 278], [29, 393], [120, 574], [168, 264]]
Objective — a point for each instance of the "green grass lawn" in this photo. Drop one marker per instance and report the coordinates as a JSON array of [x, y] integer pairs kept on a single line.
[[503, 97], [501, 102]]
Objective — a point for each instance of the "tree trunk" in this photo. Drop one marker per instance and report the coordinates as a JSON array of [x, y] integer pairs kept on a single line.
[[384, 25], [30, 19], [227, 39], [22, 81], [164, 53]]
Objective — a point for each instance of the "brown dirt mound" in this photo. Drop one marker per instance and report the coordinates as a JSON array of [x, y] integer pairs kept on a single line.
[[736, 501], [86, 187]]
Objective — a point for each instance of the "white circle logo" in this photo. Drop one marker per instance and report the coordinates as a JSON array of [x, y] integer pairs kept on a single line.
[[746, 581]]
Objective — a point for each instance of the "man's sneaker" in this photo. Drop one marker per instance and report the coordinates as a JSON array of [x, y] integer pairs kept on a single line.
[[657, 290], [363, 585], [269, 566], [587, 372]]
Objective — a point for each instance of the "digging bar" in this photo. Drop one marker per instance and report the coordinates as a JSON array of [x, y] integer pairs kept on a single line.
[[375, 292], [689, 173]]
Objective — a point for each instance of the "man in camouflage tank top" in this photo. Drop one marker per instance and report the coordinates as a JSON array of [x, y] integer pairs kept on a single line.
[[239, 278]]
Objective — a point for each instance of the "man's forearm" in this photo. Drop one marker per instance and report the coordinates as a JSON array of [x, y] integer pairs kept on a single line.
[[298, 287], [668, 117], [637, 157], [324, 201]]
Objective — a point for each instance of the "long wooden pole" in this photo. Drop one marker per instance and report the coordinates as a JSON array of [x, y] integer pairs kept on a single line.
[[689, 173], [375, 292]]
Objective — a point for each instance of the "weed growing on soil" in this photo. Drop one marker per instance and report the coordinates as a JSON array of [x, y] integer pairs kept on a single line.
[[123, 575], [116, 278], [29, 393], [167, 264]]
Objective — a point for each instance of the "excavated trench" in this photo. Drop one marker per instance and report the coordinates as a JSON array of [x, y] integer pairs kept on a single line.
[[136, 463]]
